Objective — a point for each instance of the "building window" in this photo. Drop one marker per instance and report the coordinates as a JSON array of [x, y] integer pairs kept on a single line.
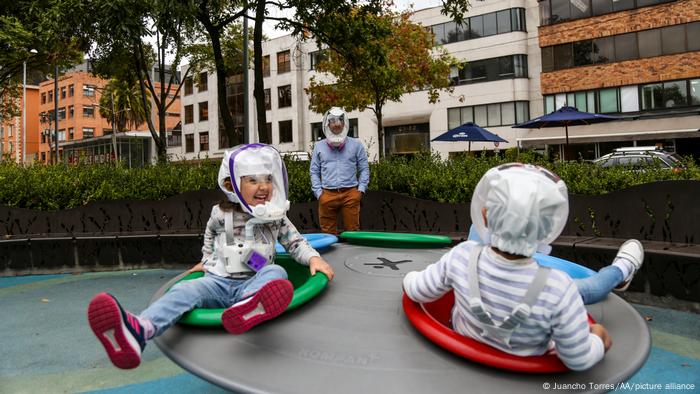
[[88, 111], [505, 67], [284, 63], [71, 134], [669, 94], [265, 136], [496, 114], [285, 131], [89, 90], [317, 130], [71, 111], [61, 113], [61, 134], [555, 11], [189, 143], [189, 114], [284, 96], [204, 141], [629, 46], [63, 92], [88, 132], [188, 86], [316, 57], [51, 96], [500, 22], [71, 90], [43, 98], [266, 66], [204, 111], [268, 99], [203, 82]]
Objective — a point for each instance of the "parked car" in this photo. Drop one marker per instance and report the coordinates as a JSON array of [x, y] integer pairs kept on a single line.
[[297, 156], [641, 156]]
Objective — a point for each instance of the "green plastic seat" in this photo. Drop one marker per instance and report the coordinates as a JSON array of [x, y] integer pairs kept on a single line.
[[306, 287], [396, 240]]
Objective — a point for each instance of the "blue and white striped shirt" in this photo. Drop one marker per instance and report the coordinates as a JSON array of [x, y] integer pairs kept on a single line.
[[558, 316], [333, 168]]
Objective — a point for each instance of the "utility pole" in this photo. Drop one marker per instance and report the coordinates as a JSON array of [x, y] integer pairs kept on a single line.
[[246, 138]]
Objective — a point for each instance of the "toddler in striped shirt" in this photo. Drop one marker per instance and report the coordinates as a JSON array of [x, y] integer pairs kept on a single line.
[[502, 296]]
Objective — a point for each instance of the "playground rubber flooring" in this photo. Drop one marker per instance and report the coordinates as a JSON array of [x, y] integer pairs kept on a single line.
[[46, 345]]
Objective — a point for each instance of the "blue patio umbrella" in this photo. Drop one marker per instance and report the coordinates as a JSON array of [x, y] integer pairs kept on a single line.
[[468, 132], [565, 117]]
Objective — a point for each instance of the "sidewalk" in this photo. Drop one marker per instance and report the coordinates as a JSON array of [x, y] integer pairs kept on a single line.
[[47, 345]]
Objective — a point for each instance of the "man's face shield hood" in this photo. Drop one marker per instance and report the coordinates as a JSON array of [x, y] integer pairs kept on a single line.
[[335, 118], [526, 207], [256, 160]]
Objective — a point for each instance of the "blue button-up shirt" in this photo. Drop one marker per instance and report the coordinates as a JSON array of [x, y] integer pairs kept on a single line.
[[333, 168]]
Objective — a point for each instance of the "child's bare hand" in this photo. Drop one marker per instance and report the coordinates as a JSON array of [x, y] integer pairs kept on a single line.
[[317, 264], [197, 268], [599, 330]]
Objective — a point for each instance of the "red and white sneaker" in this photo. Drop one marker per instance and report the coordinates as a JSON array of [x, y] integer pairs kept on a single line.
[[119, 331], [270, 301]]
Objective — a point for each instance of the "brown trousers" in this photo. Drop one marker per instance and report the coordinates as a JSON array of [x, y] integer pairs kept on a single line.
[[344, 201]]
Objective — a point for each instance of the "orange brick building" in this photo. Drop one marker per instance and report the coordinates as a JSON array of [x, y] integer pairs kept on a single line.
[[638, 59], [11, 131], [82, 132]]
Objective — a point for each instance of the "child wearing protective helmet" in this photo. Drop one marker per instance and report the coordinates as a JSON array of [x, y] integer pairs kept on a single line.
[[238, 254], [503, 298]]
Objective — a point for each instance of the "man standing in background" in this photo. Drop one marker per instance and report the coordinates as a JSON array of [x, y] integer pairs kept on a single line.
[[335, 164]]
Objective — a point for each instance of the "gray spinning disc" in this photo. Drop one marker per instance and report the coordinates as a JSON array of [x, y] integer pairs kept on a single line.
[[354, 338]]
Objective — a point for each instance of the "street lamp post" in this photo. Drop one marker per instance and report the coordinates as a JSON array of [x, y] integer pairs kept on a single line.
[[24, 109]]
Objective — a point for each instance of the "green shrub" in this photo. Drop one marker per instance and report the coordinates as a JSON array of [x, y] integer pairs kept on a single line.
[[426, 176]]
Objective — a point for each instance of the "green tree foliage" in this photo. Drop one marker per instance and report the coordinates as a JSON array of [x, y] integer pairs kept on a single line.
[[121, 102], [398, 58]]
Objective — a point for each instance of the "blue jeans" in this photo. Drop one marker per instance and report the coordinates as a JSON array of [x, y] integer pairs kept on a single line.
[[597, 286], [209, 291]]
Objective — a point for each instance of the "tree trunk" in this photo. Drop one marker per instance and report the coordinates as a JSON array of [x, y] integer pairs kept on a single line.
[[259, 85], [380, 131]]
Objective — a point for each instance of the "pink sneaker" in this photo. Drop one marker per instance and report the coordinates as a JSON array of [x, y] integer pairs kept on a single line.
[[119, 331], [270, 301]]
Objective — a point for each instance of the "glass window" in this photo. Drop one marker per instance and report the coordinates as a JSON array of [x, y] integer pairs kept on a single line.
[[494, 114], [619, 5], [517, 16], [284, 96], [608, 100], [88, 132], [71, 89], [204, 111], [503, 21], [268, 99], [354, 129], [507, 113], [580, 102], [629, 98], [88, 91], [88, 111], [284, 63], [695, 92], [583, 53], [590, 98], [649, 43], [520, 66], [693, 30], [285, 131], [188, 86], [544, 12], [453, 119], [467, 114], [560, 11], [522, 111], [570, 99], [317, 57], [476, 27], [481, 115], [450, 32], [463, 30], [652, 96], [189, 114], [601, 7], [204, 141], [603, 50], [626, 47], [580, 9], [490, 24], [548, 59], [505, 67], [548, 104], [673, 39], [563, 56], [189, 143], [675, 94], [439, 32]]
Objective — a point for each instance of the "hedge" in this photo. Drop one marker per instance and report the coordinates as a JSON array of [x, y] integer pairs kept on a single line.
[[426, 176]]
